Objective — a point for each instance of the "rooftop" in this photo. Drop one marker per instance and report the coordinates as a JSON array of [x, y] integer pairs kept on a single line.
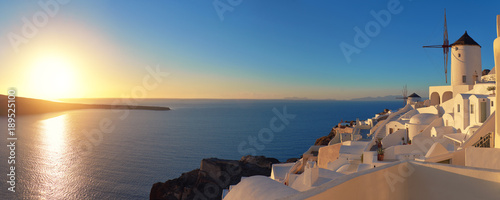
[[414, 95], [465, 40]]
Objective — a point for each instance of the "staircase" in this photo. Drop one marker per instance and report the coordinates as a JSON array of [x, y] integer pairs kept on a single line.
[[380, 130], [482, 135]]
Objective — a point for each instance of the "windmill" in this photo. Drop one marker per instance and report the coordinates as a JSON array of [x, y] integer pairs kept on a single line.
[[404, 95], [446, 47]]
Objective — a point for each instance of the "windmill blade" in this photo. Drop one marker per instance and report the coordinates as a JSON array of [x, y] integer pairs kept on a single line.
[[405, 94], [446, 66], [433, 46], [446, 44]]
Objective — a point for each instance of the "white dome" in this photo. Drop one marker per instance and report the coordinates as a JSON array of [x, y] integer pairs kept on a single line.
[[259, 187], [424, 118], [409, 114]]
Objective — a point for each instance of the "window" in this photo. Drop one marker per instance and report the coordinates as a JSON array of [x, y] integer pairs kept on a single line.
[[491, 103], [459, 55], [472, 109], [458, 107], [464, 79]]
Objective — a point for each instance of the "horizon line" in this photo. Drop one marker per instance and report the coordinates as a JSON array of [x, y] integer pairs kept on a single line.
[[368, 98]]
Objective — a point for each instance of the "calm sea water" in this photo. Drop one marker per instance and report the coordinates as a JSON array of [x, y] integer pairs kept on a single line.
[[118, 154]]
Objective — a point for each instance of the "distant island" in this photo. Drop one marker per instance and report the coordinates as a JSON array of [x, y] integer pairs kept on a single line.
[[379, 98], [26, 106], [296, 98]]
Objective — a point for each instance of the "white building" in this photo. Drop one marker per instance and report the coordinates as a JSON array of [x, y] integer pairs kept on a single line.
[[446, 148], [465, 69]]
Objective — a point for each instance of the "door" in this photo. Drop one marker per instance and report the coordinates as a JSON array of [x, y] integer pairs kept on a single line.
[[483, 112]]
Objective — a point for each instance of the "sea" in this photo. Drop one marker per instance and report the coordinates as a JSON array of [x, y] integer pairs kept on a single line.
[[120, 154]]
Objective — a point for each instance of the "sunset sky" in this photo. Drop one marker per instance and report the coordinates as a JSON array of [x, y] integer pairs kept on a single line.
[[260, 50]]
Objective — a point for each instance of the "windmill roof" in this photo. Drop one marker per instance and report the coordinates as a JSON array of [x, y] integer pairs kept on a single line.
[[465, 40], [414, 95]]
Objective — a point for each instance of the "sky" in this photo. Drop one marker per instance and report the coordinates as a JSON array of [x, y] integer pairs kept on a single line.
[[232, 49]]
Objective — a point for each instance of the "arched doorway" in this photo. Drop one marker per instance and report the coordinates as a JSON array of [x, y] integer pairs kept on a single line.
[[435, 100], [447, 96]]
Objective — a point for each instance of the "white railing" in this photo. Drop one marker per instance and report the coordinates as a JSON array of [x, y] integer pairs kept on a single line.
[[487, 127]]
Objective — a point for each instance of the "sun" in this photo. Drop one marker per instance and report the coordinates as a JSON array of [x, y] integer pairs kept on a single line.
[[52, 77]]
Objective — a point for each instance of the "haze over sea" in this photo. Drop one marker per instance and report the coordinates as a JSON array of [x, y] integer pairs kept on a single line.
[[146, 147]]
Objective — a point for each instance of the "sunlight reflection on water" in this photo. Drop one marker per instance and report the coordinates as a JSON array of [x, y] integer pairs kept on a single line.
[[54, 162], [148, 147]]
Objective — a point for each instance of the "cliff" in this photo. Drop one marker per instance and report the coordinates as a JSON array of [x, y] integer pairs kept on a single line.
[[326, 139], [213, 176]]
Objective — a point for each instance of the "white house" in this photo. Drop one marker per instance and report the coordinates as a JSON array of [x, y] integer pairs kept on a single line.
[[454, 151]]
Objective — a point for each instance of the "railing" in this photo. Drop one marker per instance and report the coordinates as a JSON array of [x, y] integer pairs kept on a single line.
[[487, 127], [484, 142]]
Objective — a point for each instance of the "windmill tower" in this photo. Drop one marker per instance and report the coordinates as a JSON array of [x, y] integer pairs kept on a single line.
[[445, 46], [413, 98], [465, 61]]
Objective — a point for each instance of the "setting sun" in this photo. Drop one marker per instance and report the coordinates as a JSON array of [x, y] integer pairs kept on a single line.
[[245, 100], [52, 77]]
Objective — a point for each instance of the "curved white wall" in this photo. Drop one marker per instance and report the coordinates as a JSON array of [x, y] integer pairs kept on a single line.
[[415, 129], [259, 187], [410, 180], [465, 60]]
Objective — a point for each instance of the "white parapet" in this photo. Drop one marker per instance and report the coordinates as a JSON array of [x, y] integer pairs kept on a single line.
[[279, 171]]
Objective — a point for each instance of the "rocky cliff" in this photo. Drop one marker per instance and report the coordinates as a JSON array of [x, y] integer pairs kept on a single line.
[[213, 176], [326, 139]]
